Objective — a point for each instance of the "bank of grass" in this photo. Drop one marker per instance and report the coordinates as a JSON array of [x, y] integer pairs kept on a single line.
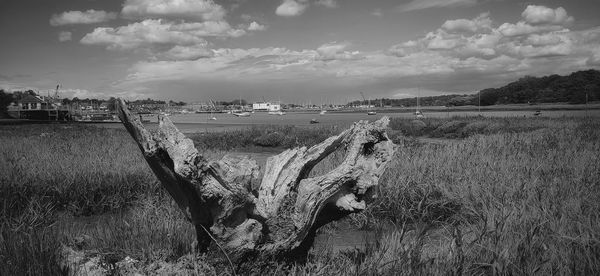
[[463, 127], [271, 136], [522, 199]]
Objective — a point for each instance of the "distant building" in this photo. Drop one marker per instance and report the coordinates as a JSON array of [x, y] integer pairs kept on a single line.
[[39, 108], [34, 103], [266, 106]]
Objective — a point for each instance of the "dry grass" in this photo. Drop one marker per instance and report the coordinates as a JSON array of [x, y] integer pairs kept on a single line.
[[521, 199]]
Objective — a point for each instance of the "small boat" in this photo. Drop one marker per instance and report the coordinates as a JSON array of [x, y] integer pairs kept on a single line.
[[322, 112], [314, 121], [371, 113], [241, 114], [213, 118], [537, 113]]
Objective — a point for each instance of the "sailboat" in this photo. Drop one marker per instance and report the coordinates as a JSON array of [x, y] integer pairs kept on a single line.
[[371, 112], [241, 112], [418, 112], [323, 111], [212, 117]]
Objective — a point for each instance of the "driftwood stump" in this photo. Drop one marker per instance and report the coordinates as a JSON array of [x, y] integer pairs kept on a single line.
[[282, 214]]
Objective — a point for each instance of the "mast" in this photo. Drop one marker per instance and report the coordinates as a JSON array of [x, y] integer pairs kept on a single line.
[[418, 93]]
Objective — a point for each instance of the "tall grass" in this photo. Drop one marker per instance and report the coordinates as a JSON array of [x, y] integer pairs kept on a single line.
[[264, 136], [515, 196], [462, 127], [524, 202]]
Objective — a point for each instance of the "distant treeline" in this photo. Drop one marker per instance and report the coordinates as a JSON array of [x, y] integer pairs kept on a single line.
[[549, 89], [578, 87], [6, 98]]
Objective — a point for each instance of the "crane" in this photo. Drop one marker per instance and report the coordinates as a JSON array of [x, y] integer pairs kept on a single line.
[[56, 91]]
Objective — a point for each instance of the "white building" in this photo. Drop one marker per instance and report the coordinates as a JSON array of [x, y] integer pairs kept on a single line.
[[266, 106]]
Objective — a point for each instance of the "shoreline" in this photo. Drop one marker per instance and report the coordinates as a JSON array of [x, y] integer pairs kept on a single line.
[[398, 110]]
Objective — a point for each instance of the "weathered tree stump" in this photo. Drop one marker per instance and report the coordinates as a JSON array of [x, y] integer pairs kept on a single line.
[[282, 214]]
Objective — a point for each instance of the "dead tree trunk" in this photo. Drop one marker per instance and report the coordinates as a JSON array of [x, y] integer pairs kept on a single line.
[[282, 215]]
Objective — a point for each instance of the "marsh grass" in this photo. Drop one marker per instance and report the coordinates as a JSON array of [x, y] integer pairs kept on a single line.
[[463, 127], [264, 136], [514, 196]]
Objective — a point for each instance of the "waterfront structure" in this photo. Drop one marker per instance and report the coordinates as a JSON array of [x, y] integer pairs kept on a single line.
[[266, 106], [39, 108]]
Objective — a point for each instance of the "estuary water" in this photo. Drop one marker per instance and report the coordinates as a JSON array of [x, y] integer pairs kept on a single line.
[[197, 123]]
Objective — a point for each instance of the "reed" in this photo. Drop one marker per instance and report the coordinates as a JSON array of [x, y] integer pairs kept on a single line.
[[514, 196]]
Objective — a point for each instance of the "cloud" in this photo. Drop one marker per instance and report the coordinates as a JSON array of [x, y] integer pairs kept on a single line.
[[479, 24], [291, 8], [189, 53], [336, 51], [199, 9], [522, 28], [479, 38], [153, 32], [594, 59], [426, 4], [543, 15], [327, 3], [461, 55], [406, 48], [78, 17], [254, 26], [553, 38], [64, 36]]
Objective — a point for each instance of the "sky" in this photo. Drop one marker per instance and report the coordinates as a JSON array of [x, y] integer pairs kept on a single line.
[[290, 50]]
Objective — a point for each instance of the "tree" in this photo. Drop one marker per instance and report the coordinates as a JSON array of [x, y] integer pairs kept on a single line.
[[112, 104], [280, 215], [5, 100]]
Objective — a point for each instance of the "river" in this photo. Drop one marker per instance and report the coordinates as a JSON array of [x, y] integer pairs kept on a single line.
[[197, 123]]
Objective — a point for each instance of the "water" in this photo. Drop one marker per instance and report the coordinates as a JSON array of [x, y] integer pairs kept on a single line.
[[198, 123]]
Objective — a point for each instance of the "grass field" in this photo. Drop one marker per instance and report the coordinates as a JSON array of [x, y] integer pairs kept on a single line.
[[462, 196]]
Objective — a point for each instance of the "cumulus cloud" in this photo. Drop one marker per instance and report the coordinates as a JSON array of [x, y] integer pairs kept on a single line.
[[543, 15], [79, 17], [327, 3], [254, 26], [152, 32], [64, 36], [291, 8], [461, 55], [482, 23], [426, 4], [200, 9], [539, 34], [547, 39]]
